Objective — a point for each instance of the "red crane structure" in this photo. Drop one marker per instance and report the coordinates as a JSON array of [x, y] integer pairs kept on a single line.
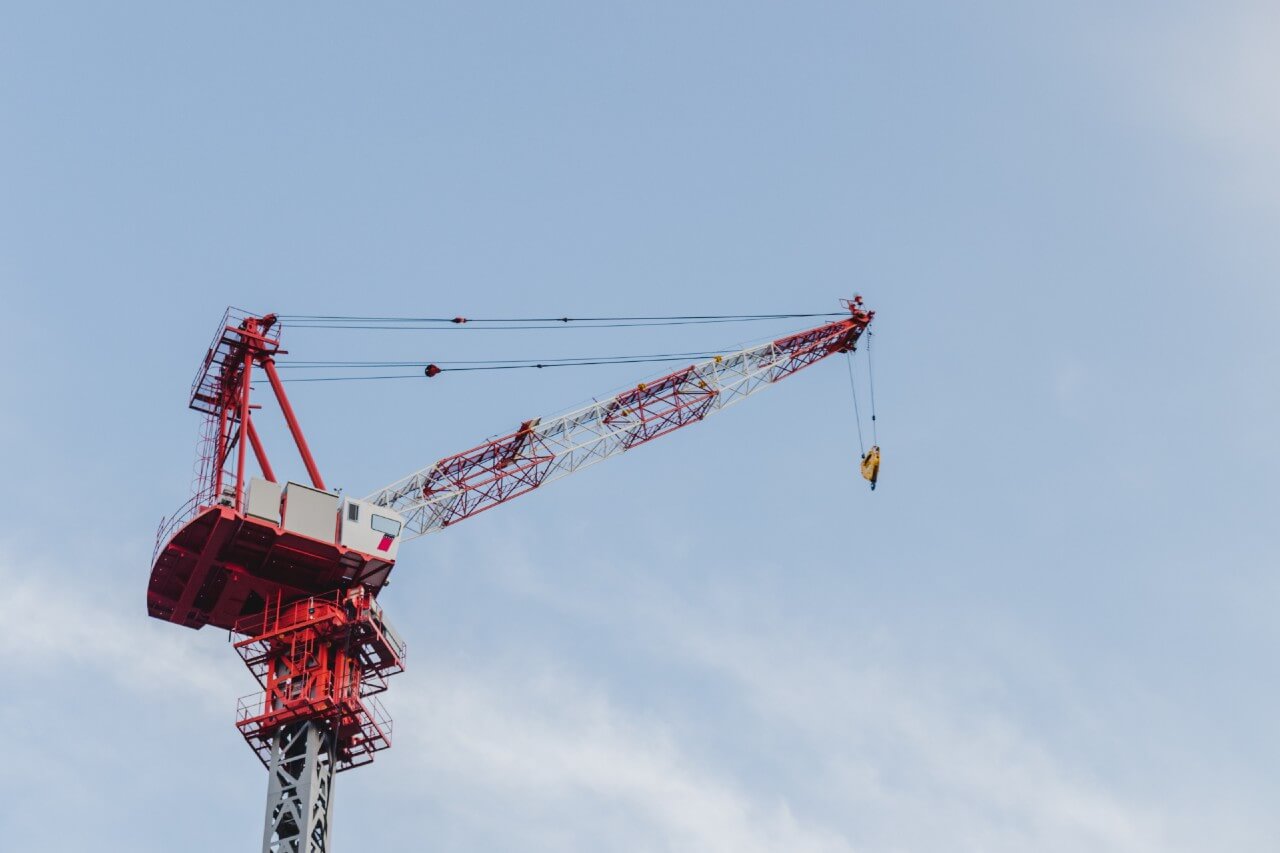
[[293, 571]]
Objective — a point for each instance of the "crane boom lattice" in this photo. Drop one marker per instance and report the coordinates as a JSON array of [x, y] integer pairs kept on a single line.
[[541, 451]]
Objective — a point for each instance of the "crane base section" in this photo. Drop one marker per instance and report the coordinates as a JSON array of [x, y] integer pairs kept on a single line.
[[300, 790], [223, 565], [320, 659]]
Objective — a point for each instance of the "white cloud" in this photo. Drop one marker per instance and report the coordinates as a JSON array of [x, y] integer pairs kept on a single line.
[[1212, 75], [879, 755], [61, 619], [871, 753], [544, 743], [960, 772], [908, 768]]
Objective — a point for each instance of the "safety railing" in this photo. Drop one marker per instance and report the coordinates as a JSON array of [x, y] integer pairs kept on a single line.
[[170, 525]]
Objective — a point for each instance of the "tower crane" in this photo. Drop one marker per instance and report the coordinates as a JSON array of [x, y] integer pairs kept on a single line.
[[293, 570]]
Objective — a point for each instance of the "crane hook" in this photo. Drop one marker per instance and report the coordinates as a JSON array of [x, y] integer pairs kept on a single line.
[[871, 465]]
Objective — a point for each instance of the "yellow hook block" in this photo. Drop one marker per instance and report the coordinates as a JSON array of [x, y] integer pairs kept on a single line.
[[871, 466]]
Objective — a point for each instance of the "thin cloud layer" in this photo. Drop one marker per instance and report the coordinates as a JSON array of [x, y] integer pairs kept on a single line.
[[869, 753], [1209, 74]]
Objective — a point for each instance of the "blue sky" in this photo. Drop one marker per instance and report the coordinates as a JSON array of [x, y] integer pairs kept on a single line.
[[1050, 628]]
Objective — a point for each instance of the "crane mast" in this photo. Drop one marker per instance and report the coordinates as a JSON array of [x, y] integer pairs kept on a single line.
[[293, 571], [543, 450]]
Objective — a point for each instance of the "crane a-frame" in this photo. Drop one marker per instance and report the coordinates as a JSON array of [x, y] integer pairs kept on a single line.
[[294, 570]]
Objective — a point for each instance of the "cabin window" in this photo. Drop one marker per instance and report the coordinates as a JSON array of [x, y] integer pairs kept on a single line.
[[385, 526], [353, 512]]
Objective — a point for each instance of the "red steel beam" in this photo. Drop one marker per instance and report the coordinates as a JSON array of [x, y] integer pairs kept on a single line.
[[296, 431], [251, 326], [259, 451]]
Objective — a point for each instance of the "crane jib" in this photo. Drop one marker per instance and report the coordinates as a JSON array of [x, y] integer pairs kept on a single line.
[[542, 450]]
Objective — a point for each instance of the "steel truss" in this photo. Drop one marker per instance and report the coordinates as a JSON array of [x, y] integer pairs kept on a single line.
[[320, 659], [465, 484], [300, 789]]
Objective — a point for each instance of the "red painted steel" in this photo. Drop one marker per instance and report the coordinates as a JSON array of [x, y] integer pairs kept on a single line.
[[251, 327], [292, 420], [321, 658], [220, 391], [313, 634], [494, 472], [213, 564], [259, 452], [223, 566]]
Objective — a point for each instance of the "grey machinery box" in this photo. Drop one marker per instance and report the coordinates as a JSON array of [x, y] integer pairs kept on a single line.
[[310, 512]]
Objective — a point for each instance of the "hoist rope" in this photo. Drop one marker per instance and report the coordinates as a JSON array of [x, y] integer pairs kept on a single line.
[[376, 323], [871, 379], [502, 366], [522, 328], [347, 321], [584, 363], [353, 378], [857, 416], [585, 359]]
